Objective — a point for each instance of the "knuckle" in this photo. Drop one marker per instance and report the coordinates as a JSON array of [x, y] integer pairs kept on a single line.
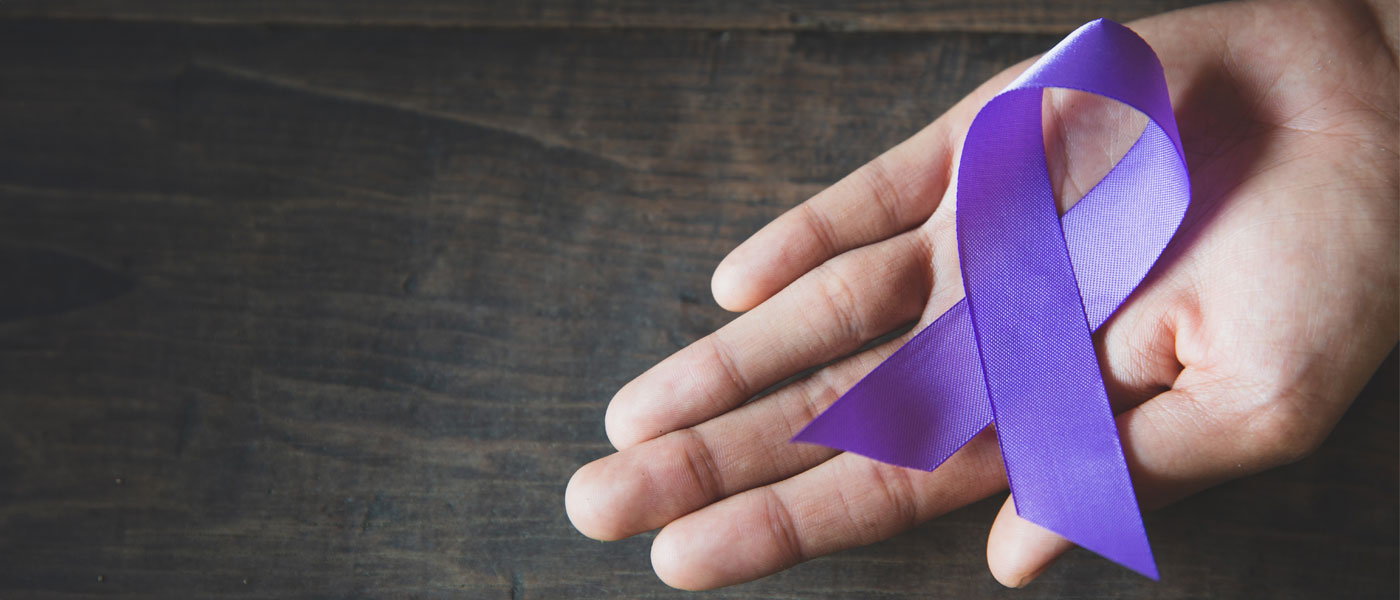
[[821, 228], [699, 461], [884, 192], [841, 301], [725, 358], [899, 494], [1279, 431], [809, 399], [784, 529]]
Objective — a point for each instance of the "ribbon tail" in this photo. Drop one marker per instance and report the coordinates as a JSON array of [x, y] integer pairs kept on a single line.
[[913, 421], [1055, 425]]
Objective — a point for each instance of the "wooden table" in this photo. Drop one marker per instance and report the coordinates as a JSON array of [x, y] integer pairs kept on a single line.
[[322, 299]]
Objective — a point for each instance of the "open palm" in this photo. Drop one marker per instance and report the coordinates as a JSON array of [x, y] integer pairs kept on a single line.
[[1239, 352]]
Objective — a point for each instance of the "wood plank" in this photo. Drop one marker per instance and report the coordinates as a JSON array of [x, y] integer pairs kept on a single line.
[[1045, 16], [336, 311]]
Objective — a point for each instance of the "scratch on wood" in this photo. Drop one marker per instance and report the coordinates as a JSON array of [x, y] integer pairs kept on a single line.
[[517, 586], [542, 139]]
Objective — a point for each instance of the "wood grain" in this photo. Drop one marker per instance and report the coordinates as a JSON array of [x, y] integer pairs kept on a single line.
[[1041, 16], [334, 311]]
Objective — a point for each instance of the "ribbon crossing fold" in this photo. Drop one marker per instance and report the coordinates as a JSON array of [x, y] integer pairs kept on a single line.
[[1017, 349]]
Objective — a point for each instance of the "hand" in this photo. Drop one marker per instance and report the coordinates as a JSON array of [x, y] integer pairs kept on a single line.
[[1240, 351]]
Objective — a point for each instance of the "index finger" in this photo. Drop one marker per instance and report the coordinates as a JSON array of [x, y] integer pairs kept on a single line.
[[893, 193]]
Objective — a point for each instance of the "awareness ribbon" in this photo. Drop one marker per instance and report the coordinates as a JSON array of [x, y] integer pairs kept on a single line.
[[1017, 349]]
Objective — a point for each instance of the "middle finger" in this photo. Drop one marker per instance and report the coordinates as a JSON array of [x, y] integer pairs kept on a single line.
[[651, 484], [825, 314]]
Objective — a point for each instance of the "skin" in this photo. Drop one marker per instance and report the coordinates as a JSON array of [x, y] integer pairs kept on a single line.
[[1241, 350]]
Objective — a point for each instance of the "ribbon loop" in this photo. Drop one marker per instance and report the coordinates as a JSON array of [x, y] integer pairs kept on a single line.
[[1017, 349]]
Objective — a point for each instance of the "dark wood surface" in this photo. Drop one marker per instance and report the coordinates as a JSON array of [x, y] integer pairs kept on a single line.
[[1040, 16], [316, 299]]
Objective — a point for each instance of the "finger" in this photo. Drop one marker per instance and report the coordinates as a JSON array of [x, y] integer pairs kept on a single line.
[[892, 193], [658, 481], [1018, 551], [1205, 431], [716, 545], [699, 550], [655, 482], [828, 313], [847, 501], [895, 192]]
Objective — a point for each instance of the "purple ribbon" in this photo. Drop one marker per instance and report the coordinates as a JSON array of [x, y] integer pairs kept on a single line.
[[1017, 350]]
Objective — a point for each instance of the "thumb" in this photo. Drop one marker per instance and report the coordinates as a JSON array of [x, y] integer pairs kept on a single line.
[[1199, 434], [1018, 550]]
